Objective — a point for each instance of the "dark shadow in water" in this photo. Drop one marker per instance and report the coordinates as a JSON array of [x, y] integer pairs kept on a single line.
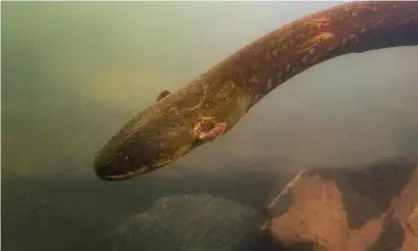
[[75, 213]]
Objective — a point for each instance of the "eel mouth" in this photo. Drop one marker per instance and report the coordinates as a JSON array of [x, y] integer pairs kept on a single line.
[[117, 177], [109, 175]]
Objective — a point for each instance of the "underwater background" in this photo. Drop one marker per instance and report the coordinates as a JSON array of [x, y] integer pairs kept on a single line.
[[73, 72]]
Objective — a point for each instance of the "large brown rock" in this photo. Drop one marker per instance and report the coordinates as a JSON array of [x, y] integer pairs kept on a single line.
[[372, 208]]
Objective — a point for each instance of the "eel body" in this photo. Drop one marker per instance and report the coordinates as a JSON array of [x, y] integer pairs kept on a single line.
[[214, 102]]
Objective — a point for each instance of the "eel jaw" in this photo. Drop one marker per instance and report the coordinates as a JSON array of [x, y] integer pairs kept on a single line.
[[107, 176]]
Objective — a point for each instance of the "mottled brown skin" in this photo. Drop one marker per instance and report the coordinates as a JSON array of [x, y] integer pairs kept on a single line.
[[171, 127]]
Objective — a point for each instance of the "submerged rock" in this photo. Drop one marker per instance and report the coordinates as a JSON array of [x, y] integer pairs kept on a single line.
[[365, 208], [186, 222], [369, 208]]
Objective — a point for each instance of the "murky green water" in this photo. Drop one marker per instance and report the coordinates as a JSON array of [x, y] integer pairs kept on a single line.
[[73, 72]]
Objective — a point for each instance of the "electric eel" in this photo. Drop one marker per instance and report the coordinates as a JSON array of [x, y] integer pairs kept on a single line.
[[213, 103]]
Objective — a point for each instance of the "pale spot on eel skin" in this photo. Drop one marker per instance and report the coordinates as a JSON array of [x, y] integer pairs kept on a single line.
[[304, 59], [255, 79], [288, 66], [331, 48], [269, 84], [312, 51], [362, 30], [257, 98]]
